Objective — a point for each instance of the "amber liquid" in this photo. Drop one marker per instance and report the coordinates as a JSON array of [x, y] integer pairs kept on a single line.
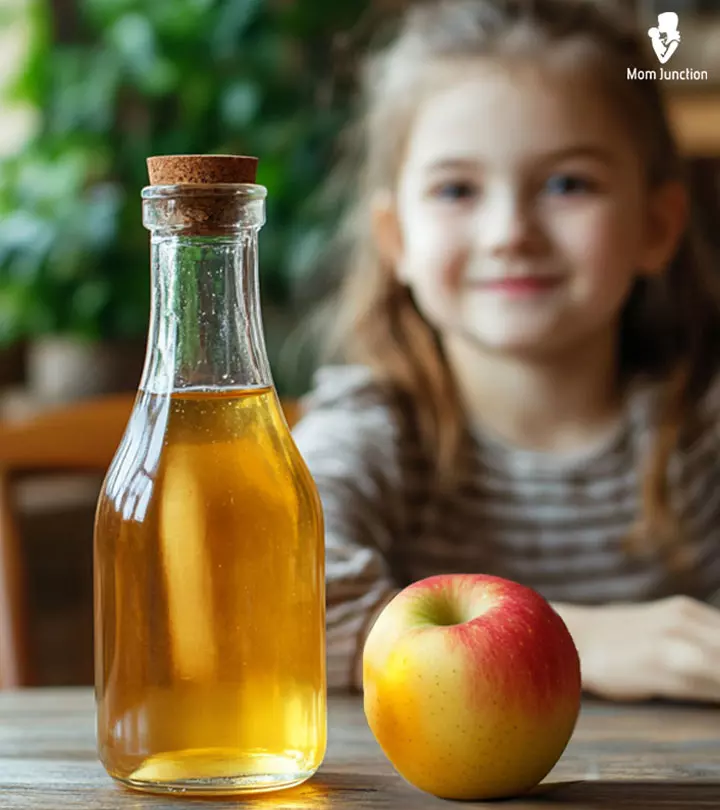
[[209, 599]]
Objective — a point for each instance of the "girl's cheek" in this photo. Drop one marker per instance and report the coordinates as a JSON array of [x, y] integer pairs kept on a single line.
[[452, 273], [452, 243], [584, 237], [436, 284], [443, 264], [437, 248]]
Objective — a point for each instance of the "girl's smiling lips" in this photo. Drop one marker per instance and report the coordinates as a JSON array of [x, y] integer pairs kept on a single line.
[[517, 285]]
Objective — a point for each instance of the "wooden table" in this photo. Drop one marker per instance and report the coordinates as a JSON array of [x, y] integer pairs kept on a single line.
[[655, 757]]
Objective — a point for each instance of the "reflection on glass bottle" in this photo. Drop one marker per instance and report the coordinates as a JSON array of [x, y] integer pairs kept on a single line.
[[209, 567]]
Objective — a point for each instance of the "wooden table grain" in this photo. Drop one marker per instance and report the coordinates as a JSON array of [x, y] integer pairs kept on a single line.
[[654, 757]]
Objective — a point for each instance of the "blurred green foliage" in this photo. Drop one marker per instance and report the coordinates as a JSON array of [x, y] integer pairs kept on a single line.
[[137, 78]]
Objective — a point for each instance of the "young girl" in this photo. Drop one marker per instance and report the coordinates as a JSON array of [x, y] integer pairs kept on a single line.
[[534, 334]]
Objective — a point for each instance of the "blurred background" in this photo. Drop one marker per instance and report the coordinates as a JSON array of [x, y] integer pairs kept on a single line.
[[88, 89]]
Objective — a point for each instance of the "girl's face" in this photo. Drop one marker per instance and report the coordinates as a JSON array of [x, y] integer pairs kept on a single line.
[[521, 216]]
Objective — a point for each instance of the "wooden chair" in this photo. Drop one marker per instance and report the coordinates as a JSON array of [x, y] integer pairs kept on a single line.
[[75, 438]]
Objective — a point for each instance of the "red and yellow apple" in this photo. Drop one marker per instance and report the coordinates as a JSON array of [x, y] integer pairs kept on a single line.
[[471, 686]]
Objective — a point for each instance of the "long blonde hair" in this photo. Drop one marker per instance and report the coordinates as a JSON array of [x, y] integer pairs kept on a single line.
[[670, 324]]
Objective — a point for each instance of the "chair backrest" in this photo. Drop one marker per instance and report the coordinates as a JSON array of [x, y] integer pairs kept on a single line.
[[81, 436]]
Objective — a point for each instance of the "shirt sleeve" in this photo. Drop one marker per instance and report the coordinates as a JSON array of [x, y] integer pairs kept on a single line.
[[348, 438]]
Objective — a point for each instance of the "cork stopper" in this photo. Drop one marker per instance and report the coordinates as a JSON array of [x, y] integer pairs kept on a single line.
[[172, 170], [202, 194]]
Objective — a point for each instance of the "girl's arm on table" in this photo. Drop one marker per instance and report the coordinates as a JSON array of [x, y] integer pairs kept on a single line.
[[348, 443], [669, 648]]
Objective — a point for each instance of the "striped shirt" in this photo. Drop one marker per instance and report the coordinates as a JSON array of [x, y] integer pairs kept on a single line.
[[555, 523]]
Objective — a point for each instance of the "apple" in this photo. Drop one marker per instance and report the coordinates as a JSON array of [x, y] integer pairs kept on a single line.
[[471, 686]]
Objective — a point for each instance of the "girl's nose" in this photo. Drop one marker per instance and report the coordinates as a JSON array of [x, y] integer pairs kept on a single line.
[[506, 227]]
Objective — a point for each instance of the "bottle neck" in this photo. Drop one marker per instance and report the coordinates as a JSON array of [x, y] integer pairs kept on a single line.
[[205, 324]]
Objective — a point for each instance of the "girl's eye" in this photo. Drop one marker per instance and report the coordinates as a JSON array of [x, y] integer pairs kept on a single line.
[[456, 190], [568, 184]]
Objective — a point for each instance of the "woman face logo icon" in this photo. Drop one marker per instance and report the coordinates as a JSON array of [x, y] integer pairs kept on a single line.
[[666, 37]]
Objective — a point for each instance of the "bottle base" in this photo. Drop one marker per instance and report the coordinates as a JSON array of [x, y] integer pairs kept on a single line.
[[227, 786], [212, 772]]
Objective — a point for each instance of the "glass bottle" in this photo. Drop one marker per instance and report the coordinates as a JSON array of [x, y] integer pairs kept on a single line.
[[208, 557]]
